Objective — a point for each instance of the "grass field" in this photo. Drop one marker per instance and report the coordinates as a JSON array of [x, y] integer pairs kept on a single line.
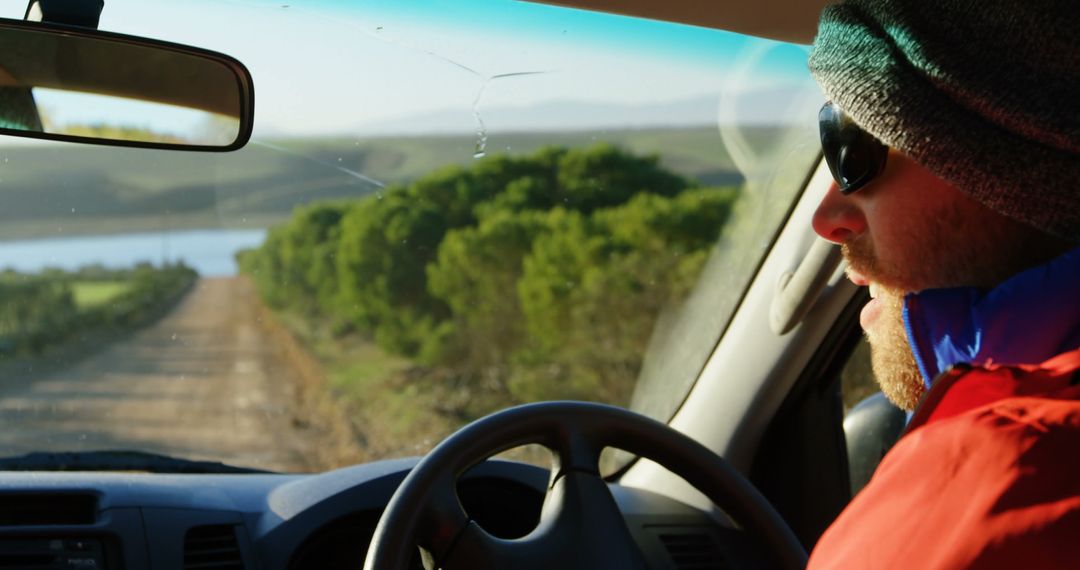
[[91, 294]]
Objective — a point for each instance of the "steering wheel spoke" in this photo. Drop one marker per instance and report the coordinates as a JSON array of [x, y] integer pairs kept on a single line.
[[582, 522], [475, 548], [444, 518], [574, 452], [581, 528]]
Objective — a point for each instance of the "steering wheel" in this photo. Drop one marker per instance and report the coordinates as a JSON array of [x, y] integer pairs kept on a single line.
[[580, 524]]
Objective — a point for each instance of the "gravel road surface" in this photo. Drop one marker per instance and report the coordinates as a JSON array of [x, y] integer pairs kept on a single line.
[[204, 382]]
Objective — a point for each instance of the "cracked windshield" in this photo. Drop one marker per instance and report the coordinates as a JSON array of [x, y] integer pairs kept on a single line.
[[446, 208]]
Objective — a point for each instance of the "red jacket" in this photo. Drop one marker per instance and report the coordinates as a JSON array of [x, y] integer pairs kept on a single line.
[[987, 475]]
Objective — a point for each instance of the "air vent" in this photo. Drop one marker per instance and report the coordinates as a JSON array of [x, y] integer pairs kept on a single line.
[[693, 551], [212, 548], [34, 509]]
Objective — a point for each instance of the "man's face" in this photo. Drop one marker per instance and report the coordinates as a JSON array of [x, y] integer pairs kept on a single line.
[[907, 231]]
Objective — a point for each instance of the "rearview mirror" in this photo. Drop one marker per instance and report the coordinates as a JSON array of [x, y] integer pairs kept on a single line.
[[83, 85]]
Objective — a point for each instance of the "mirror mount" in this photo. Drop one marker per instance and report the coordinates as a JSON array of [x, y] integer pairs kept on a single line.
[[81, 13]]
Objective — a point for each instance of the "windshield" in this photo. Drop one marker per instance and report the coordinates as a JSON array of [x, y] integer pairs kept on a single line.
[[446, 208]]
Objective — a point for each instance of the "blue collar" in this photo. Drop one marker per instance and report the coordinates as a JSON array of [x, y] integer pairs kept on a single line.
[[1028, 319]]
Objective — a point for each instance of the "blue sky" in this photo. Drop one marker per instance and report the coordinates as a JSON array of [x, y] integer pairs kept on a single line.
[[332, 66]]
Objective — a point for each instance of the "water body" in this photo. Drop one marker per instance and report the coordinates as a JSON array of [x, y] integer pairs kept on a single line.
[[210, 252]]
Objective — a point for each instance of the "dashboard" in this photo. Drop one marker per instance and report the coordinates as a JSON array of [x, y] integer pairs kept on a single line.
[[99, 521]]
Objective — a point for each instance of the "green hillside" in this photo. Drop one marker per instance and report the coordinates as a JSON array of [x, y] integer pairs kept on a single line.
[[71, 190]]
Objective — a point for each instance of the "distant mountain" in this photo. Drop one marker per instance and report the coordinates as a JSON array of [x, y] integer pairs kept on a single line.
[[548, 117], [758, 108]]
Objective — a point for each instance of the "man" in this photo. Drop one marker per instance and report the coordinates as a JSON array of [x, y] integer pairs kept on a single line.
[[953, 132]]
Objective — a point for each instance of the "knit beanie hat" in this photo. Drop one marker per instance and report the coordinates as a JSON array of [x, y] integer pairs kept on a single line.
[[983, 93]]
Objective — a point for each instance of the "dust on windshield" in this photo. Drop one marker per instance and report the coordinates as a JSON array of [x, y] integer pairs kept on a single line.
[[552, 210]]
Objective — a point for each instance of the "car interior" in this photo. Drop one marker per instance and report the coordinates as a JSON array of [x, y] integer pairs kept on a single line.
[[760, 451]]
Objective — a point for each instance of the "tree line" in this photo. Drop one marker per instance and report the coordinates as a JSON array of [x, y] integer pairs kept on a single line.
[[515, 279], [39, 310]]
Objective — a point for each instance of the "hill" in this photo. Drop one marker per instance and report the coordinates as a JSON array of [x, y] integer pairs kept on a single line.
[[48, 190]]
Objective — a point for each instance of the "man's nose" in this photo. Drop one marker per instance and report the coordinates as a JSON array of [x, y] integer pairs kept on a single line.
[[838, 218]]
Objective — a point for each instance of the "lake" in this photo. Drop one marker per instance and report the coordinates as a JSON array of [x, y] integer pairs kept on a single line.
[[210, 252]]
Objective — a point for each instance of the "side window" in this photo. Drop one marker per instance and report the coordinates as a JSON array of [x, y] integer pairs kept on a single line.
[[801, 464], [872, 424], [828, 436], [857, 380]]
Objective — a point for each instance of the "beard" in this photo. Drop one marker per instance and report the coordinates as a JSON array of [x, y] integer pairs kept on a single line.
[[891, 358], [951, 250]]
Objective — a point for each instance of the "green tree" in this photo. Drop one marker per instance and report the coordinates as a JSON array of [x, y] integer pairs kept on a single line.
[[584, 180], [295, 268], [476, 274], [592, 289], [308, 247], [384, 248], [264, 266]]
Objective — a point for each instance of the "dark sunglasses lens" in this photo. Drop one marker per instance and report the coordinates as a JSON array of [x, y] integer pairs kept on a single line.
[[831, 146], [854, 156], [855, 166]]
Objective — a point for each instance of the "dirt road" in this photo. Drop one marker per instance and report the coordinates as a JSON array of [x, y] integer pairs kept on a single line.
[[205, 382]]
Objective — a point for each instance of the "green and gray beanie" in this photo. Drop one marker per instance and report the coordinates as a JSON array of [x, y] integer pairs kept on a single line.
[[983, 93]]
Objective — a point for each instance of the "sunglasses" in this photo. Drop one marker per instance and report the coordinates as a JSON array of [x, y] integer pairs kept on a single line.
[[855, 157]]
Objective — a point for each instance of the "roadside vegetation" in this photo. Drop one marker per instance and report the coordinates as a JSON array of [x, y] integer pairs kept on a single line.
[[42, 310], [474, 288]]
